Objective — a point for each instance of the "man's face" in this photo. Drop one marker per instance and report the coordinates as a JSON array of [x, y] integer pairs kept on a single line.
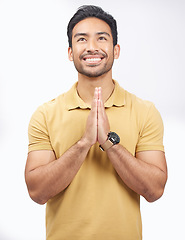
[[92, 49]]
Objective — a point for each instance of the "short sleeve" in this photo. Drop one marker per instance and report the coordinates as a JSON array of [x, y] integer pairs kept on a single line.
[[37, 132], [151, 133]]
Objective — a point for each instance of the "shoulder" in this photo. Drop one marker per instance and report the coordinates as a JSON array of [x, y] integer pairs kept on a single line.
[[132, 99], [52, 106], [139, 106], [60, 103], [148, 121], [144, 111], [47, 111]]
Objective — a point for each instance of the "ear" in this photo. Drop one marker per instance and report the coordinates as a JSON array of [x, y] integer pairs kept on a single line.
[[70, 54], [116, 51]]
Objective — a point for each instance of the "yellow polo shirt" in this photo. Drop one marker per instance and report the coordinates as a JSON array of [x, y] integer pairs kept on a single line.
[[97, 205]]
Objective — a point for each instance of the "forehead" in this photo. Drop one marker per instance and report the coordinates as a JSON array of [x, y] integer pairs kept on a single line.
[[91, 25]]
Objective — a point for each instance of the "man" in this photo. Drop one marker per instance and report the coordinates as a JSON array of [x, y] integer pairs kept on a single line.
[[95, 149]]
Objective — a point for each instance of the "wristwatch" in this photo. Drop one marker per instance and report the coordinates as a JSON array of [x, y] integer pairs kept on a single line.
[[112, 139]]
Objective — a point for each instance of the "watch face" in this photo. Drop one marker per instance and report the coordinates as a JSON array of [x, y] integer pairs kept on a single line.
[[113, 137]]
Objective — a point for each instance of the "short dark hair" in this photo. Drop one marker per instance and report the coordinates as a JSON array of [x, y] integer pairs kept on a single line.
[[87, 11]]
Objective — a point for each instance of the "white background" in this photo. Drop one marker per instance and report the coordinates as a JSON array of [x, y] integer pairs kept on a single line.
[[34, 68]]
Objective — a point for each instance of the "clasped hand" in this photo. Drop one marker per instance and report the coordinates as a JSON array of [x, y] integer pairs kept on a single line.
[[97, 126]]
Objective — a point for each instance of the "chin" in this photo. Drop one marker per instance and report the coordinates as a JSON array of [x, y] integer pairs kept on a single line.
[[94, 74]]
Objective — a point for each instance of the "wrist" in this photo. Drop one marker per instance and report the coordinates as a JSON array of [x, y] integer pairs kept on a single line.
[[103, 139], [84, 142], [112, 139]]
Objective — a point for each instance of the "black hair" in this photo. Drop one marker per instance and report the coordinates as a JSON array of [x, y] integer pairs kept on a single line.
[[87, 11]]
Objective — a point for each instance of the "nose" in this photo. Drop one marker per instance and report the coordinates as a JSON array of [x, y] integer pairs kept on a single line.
[[92, 46]]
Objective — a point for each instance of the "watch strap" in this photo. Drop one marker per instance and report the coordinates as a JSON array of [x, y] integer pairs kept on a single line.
[[106, 145]]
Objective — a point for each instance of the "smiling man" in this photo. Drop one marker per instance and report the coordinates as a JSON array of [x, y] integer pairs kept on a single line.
[[94, 150], [101, 42]]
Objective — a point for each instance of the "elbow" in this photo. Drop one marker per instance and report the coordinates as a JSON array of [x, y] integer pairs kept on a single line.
[[35, 191], [153, 193], [153, 196], [36, 197]]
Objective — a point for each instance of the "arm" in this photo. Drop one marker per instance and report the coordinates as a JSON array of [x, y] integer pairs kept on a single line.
[[47, 176], [146, 174]]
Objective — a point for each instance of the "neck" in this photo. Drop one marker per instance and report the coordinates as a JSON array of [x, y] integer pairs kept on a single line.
[[86, 86]]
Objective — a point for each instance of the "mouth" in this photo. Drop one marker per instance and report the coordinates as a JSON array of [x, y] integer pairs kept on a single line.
[[93, 59]]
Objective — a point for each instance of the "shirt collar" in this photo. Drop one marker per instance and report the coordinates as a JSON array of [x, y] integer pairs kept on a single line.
[[73, 100]]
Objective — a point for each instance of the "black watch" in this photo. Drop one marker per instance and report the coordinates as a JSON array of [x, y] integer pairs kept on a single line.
[[112, 139]]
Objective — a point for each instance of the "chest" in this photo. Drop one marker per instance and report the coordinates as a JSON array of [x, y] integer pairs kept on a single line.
[[67, 127]]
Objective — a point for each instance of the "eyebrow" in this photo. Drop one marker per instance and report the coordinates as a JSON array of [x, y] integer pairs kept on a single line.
[[103, 33], [85, 34], [80, 34]]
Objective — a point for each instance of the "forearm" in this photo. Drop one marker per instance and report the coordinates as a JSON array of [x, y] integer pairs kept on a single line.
[[48, 180], [143, 178]]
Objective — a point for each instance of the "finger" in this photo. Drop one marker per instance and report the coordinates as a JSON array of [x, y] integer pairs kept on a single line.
[[101, 108], [95, 99], [94, 106], [103, 124], [96, 93], [100, 93]]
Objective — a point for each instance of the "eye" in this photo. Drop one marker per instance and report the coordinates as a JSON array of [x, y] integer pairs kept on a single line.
[[102, 38], [81, 39]]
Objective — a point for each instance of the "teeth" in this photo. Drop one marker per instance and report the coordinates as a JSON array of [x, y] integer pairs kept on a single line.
[[93, 59]]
